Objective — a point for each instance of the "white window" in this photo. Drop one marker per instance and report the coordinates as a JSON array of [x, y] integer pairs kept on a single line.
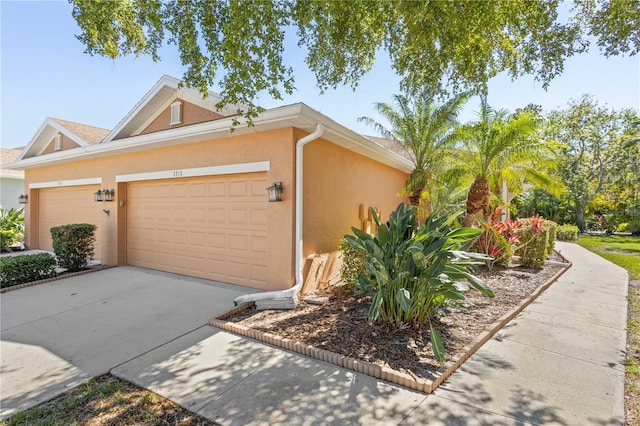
[[57, 144], [176, 113]]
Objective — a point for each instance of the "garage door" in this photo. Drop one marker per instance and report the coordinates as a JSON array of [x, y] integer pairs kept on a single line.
[[212, 227], [64, 206]]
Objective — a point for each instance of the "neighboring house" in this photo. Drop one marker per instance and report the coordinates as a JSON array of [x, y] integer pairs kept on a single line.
[[190, 195], [11, 181]]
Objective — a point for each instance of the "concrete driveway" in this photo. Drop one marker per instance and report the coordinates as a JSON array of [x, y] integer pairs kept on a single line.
[[56, 335]]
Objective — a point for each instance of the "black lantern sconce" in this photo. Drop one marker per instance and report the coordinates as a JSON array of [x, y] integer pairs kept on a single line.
[[22, 199], [275, 192], [103, 195]]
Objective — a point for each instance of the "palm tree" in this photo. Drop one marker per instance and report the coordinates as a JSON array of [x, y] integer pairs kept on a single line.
[[427, 131], [501, 149]]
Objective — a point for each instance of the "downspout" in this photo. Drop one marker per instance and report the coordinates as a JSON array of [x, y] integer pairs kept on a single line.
[[287, 299]]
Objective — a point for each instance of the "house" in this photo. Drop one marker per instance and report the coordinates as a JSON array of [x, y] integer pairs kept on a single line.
[[181, 192], [11, 181]]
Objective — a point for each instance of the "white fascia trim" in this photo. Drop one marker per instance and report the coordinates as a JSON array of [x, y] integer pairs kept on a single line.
[[8, 176], [296, 115], [226, 169], [165, 80], [72, 182]]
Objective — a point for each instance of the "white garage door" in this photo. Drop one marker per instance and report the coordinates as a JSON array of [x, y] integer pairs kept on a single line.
[[65, 206], [212, 227]]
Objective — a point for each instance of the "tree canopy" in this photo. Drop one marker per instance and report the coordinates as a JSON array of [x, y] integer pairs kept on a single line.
[[446, 46]]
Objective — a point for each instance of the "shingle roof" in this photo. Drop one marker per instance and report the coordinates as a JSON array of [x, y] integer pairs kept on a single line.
[[9, 155], [90, 134], [391, 145]]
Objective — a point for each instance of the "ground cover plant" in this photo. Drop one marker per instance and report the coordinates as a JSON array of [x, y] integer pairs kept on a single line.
[[107, 400], [625, 252]]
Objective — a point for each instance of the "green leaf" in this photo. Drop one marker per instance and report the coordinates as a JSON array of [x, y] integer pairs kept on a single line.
[[437, 345], [374, 310], [383, 234], [405, 299]]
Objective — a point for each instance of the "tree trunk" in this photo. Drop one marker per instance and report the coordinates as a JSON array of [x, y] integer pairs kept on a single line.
[[477, 201], [580, 218]]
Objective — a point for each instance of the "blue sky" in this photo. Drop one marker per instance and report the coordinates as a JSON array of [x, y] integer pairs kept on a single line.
[[44, 72]]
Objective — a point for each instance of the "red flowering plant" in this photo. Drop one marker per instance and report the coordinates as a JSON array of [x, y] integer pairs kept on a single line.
[[498, 238]]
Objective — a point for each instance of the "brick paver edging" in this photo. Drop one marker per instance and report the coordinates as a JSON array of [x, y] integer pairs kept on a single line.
[[56, 278], [384, 373]]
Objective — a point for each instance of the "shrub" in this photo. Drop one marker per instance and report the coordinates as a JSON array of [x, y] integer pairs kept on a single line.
[[25, 268], [73, 245], [633, 227], [552, 228], [567, 232], [534, 237], [413, 270], [352, 262], [11, 226], [492, 243]]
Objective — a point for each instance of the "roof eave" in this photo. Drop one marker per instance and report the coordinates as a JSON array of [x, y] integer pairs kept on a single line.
[[297, 115]]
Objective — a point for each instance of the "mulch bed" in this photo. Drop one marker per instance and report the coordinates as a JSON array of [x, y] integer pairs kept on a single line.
[[340, 324]]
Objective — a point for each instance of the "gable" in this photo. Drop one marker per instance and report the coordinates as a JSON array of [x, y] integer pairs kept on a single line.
[[65, 143], [191, 114]]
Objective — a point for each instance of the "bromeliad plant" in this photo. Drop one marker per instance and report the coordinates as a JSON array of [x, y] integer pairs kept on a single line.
[[414, 270]]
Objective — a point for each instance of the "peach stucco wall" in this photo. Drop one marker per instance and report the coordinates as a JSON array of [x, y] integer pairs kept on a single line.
[[65, 143], [336, 182], [277, 146], [191, 114]]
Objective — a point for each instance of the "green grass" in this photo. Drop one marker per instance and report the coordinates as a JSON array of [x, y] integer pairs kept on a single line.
[[106, 400], [623, 251]]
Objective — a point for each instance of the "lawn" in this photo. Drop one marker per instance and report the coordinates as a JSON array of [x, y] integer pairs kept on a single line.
[[107, 400], [623, 251]]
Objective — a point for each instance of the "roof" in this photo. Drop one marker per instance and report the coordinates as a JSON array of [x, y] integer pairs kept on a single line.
[[90, 134], [391, 145], [126, 137], [9, 155]]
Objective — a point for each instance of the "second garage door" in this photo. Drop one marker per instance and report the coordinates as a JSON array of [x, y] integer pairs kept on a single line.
[[212, 227]]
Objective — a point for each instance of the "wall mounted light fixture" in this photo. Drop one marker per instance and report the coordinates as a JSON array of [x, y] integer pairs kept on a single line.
[[22, 199], [103, 195], [275, 192]]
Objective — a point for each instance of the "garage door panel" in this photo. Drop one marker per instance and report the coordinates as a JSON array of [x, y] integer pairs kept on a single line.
[[64, 206], [213, 227]]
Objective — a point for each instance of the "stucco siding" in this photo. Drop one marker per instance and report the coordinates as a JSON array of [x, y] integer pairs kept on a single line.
[[336, 182], [191, 114], [65, 143]]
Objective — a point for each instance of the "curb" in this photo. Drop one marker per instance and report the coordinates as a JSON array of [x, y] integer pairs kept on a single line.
[[375, 370], [57, 278]]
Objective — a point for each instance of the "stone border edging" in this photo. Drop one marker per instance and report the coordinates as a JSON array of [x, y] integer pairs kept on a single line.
[[56, 278], [374, 370]]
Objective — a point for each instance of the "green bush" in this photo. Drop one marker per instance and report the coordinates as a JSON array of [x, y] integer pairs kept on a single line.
[[11, 226], [352, 262], [534, 240], [552, 228], [567, 232], [414, 270], [73, 245], [25, 268], [633, 227]]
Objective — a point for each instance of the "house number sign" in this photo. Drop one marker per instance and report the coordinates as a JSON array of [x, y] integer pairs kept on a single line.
[[177, 173]]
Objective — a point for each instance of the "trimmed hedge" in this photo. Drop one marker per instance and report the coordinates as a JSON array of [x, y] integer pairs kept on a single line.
[[567, 232], [73, 245], [534, 237], [26, 268], [552, 227]]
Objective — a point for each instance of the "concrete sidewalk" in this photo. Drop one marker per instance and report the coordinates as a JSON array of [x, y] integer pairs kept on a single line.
[[561, 361]]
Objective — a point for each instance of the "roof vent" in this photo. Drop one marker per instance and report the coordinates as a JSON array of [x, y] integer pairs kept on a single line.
[[176, 113], [57, 144]]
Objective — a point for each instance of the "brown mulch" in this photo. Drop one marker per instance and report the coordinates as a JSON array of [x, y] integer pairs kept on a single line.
[[340, 324]]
